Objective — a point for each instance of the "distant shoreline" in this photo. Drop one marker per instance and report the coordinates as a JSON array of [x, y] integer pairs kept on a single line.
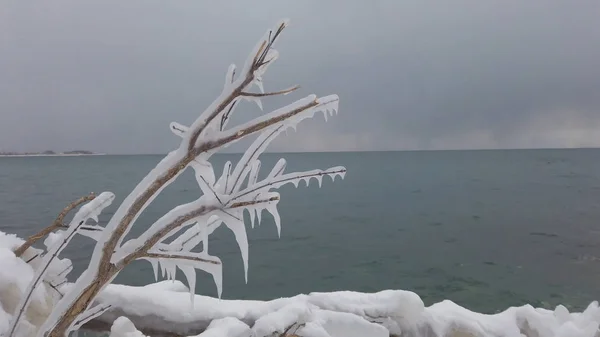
[[53, 155]]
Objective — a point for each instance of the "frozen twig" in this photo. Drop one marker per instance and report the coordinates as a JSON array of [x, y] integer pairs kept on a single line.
[[223, 200], [89, 211], [265, 94], [179, 257], [57, 224]]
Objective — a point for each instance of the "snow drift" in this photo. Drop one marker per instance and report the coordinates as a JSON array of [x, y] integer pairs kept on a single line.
[[165, 308]]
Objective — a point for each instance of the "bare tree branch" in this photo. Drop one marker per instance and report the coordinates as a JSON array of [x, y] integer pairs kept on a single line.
[[58, 223], [281, 92], [91, 314]]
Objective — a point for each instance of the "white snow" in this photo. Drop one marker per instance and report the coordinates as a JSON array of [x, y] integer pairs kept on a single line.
[[165, 306], [226, 327], [343, 313], [123, 327]]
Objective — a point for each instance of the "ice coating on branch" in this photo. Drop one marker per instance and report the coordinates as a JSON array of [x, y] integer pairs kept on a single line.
[[188, 262], [272, 208], [205, 177], [255, 100], [282, 24], [56, 243], [178, 129], [229, 76], [224, 180]]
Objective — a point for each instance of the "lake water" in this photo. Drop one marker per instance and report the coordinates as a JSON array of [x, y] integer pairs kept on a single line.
[[486, 229]]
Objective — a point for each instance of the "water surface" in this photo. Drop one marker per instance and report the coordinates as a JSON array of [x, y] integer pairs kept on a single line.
[[486, 229]]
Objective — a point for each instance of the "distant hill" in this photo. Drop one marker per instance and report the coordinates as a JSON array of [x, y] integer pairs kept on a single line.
[[79, 152], [49, 153]]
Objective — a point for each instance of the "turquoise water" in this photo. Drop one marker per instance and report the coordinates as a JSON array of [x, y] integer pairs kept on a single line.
[[486, 229]]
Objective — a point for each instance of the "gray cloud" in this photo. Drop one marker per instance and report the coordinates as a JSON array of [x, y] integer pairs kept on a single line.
[[110, 75]]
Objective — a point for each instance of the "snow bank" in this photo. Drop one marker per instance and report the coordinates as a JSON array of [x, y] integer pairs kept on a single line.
[[390, 312], [165, 307]]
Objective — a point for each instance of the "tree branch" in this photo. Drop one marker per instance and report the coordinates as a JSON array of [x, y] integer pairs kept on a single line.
[[285, 179], [111, 255], [58, 223], [252, 202], [281, 92], [167, 255], [245, 130], [226, 98]]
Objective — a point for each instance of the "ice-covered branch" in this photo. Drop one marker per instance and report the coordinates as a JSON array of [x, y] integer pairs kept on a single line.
[[55, 245], [191, 257], [90, 314], [293, 178], [194, 222], [58, 223], [255, 66], [275, 93]]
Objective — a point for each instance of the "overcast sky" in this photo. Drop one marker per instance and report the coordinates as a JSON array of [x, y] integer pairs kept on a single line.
[[109, 76]]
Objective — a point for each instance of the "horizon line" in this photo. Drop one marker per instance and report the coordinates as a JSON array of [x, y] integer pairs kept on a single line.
[[376, 151]]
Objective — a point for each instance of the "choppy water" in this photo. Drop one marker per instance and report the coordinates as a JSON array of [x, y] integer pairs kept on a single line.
[[486, 229]]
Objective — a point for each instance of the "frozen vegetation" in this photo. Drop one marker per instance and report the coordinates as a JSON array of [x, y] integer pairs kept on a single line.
[[36, 298]]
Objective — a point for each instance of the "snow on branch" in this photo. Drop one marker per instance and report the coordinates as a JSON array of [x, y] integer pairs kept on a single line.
[[168, 242], [58, 223]]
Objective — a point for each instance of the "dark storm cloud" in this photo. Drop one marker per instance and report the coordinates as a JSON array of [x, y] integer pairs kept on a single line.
[[110, 75]]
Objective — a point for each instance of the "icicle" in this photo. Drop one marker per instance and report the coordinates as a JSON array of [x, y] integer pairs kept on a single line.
[[217, 274], [236, 225], [251, 215], [319, 180], [273, 210], [257, 101], [258, 82], [162, 268], [154, 264], [172, 270], [205, 176], [190, 275], [258, 215]]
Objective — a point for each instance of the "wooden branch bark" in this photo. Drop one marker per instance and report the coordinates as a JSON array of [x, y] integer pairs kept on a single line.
[[166, 255], [58, 223], [275, 93]]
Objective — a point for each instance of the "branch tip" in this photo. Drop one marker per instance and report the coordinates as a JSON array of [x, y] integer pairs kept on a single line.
[[275, 93], [58, 223]]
